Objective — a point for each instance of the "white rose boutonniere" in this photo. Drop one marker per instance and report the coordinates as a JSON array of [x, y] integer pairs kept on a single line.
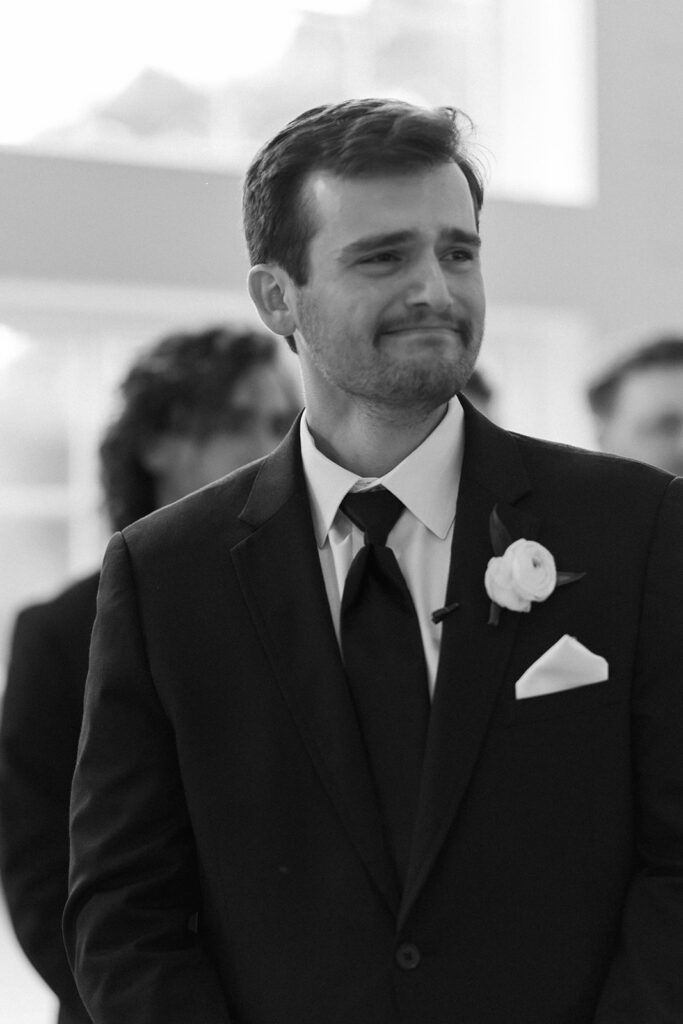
[[524, 573], [520, 573]]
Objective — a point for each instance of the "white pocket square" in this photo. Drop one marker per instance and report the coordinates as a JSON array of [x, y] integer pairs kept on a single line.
[[564, 666]]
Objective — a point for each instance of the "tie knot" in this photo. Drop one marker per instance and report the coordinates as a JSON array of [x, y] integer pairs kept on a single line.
[[373, 512]]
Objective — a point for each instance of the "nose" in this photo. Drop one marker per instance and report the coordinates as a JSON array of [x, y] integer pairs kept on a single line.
[[428, 286]]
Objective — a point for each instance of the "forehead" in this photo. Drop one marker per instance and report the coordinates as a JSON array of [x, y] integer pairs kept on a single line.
[[426, 201], [651, 388]]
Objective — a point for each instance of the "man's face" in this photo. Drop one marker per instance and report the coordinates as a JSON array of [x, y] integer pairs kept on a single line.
[[264, 403], [647, 421], [392, 315]]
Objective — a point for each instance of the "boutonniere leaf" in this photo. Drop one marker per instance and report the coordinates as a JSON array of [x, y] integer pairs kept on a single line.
[[520, 573], [500, 535]]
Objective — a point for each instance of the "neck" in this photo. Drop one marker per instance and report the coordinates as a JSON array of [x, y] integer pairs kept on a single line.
[[371, 442]]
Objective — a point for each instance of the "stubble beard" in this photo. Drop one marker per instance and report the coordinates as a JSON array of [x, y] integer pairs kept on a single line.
[[422, 384], [385, 385], [388, 386]]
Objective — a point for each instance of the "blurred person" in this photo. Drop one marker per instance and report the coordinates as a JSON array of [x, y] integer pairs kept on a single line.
[[480, 393], [386, 727], [195, 407], [638, 405]]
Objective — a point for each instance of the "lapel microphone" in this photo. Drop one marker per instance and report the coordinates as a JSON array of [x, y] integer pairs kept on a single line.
[[440, 614]]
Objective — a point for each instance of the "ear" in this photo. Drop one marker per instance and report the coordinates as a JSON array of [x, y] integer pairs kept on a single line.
[[272, 292]]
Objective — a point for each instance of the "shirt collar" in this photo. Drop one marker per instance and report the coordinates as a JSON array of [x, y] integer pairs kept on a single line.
[[426, 481]]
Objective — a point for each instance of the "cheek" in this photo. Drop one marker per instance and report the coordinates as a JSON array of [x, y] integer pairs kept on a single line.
[[217, 463], [475, 296]]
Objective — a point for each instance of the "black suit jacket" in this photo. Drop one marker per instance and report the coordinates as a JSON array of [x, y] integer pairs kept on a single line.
[[41, 722], [221, 771]]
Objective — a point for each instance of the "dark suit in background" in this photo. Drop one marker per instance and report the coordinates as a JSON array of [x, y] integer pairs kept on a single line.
[[39, 731], [220, 744]]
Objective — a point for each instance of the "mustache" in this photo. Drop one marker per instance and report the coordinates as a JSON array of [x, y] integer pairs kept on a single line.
[[463, 325]]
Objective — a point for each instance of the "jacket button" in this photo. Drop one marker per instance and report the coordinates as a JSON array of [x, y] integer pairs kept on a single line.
[[407, 956]]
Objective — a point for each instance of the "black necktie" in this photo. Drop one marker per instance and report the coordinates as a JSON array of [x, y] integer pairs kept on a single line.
[[385, 665]]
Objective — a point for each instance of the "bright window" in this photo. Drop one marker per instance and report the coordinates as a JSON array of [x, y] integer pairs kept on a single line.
[[206, 82]]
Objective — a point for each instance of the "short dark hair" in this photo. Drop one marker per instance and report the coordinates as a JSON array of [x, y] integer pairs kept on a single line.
[[662, 352], [351, 139], [181, 385]]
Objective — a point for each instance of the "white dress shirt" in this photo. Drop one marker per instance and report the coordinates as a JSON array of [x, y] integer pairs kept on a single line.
[[427, 482]]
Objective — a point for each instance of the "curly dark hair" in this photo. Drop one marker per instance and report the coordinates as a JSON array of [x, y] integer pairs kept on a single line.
[[181, 385], [351, 139]]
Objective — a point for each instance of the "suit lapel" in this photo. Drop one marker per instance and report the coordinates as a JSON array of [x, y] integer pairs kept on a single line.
[[474, 655], [279, 571]]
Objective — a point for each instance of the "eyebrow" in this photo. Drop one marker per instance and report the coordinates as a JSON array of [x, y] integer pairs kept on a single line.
[[368, 242]]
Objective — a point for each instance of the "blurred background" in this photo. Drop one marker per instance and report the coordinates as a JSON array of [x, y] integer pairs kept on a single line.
[[125, 130]]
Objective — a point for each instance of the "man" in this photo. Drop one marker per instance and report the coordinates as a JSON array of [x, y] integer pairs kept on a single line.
[[195, 406], [638, 405], [284, 813]]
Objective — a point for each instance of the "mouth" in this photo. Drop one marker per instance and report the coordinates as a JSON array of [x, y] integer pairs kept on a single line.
[[423, 329], [424, 335]]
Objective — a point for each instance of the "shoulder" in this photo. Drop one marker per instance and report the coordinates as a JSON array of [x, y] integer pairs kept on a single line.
[[49, 650], [76, 603], [550, 459], [621, 501], [200, 518], [568, 480]]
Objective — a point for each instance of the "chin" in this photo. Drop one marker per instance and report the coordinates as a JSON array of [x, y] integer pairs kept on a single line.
[[423, 387]]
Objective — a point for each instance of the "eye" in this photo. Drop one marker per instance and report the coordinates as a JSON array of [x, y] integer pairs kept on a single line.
[[380, 257], [458, 255]]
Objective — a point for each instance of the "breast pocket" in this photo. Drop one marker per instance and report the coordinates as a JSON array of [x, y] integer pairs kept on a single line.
[[576, 701]]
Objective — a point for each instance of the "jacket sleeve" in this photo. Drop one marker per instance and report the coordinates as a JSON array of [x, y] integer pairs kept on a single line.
[[38, 741], [134, 888], [645, 982]]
